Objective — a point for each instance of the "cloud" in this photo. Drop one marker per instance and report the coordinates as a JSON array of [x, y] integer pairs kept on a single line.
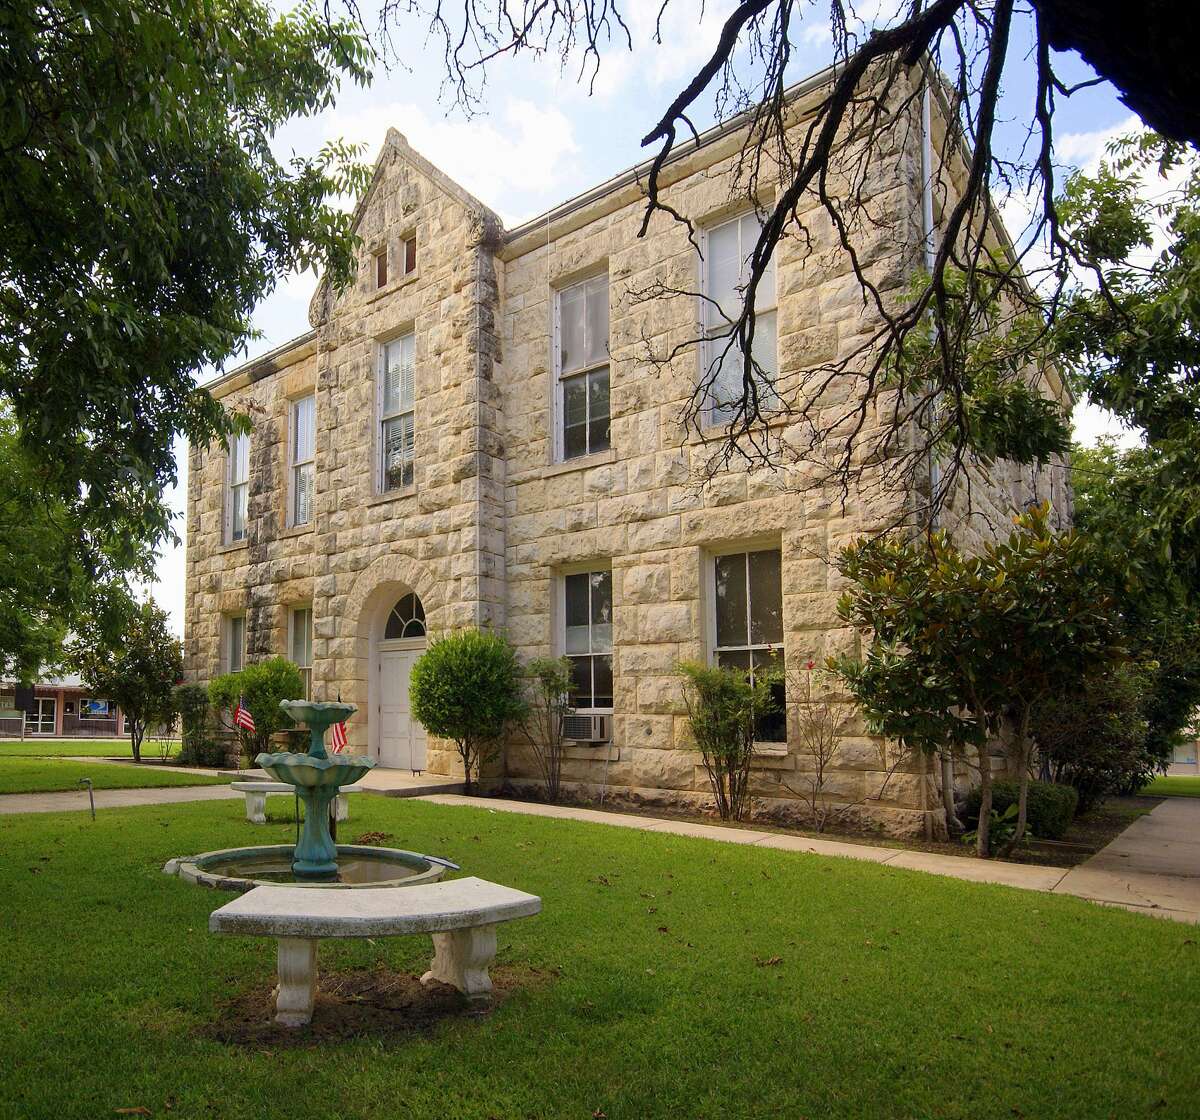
[[1084, 150], [512, 161]]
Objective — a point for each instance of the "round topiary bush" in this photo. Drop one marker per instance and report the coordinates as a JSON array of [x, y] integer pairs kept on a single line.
[[467, 687], [1050, 810]]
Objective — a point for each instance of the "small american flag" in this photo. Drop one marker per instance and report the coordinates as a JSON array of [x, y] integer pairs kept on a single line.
[[242, 717], [338, 743]]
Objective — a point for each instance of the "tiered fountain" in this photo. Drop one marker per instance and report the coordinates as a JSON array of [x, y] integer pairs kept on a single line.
[[315, 860]]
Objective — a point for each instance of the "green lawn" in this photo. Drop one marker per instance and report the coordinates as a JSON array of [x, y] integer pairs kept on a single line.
[[678, 979], [1174, 785], [90, 748], [45, 775]]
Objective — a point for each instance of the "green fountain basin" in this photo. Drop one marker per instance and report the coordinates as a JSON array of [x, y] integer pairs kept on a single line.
[[309, 772], [358, 866]]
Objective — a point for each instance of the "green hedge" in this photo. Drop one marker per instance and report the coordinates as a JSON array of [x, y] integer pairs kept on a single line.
[[1051, 807]]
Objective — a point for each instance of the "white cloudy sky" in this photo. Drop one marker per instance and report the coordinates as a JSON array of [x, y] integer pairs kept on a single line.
[[541, 137]]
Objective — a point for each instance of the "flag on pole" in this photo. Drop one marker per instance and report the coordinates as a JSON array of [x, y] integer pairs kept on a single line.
[[242, 717], [338, 742]]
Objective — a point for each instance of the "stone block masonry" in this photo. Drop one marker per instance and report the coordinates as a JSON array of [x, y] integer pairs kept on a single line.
[[496, 527]]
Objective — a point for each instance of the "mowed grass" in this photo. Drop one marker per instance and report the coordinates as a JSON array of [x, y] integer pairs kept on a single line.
[[82, 748], [1173, 785], [49, 775], [679, 978]]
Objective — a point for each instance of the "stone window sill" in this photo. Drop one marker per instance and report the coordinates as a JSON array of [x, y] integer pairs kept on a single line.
[[234, 546], [391, 496], [770, 750], [582, 463], [295, 531], [393, 286], [718, 432]]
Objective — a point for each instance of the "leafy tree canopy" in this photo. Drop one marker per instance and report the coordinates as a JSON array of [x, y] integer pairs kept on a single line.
[[143, 215], [135, 661]]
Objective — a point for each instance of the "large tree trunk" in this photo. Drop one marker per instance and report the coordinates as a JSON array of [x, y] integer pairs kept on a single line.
[[1023, 753], [1147, 50]]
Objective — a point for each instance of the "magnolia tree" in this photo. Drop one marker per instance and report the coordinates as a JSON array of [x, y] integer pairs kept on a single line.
[[960, 649], [138, 670]]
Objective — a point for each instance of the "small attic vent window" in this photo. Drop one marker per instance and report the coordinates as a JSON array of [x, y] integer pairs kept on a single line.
[[410, 254], [381, 269]]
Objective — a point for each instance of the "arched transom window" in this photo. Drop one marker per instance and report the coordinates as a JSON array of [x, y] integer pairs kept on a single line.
[[407, 619]]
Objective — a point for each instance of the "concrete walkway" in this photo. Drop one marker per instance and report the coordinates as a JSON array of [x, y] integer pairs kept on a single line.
[[1152, 868], [69, 800]]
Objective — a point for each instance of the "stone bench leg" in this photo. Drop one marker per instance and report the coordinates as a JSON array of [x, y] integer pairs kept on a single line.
[[256, 807], [341, 807], [461, 958], [297, 989]]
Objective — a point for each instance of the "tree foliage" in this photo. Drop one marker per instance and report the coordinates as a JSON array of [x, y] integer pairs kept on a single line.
[[467, 687], [260, 686], [723, 705], [137, 669], [960, 649], [143, 216]]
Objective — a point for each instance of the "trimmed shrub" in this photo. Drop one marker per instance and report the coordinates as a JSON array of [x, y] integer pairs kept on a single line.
[[260, 686], [1051, 806], [198, 745], [467, 687]]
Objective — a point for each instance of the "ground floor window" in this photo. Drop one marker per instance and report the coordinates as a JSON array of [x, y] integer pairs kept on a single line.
[[587, 637], [94, 709], [748, 623], [300, 642], [234, 640]]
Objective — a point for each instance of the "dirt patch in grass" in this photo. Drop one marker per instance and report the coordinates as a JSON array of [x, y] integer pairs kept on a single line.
[[378, 1002]]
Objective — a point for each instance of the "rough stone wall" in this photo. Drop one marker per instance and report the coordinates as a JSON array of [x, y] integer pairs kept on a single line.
[[640, 508], [443, 535]]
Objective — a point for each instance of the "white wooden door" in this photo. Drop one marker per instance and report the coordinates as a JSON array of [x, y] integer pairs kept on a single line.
[[401, 737]]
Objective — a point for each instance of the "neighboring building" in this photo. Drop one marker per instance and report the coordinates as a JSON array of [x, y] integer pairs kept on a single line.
[[61, 708], [470, 435]]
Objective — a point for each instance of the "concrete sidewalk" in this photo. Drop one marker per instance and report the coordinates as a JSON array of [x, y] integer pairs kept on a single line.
[[77, 800], [1152, 868]]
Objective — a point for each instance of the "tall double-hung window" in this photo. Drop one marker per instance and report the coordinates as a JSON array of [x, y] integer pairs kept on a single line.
[[300, 640], [748, 624], [581, 368], [587, 638], [397, 415], [728, 248], [237, 488], [303, 444]]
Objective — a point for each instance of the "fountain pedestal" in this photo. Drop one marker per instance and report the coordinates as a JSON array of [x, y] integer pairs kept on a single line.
[[317, 779]]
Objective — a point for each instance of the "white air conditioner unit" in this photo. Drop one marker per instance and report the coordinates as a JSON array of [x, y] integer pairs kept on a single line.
[[584, 728]]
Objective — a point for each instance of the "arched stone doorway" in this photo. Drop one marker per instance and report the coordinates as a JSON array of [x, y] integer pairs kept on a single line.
[[400, 741]]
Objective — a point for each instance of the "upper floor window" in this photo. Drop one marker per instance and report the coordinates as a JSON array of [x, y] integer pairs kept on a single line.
[[300, 641], [728, 248], [303, 444], [235, 642], [581, 368], [381, 271], [397, 399], [748, 624], [587, 638], [410, 254], [237, 488]]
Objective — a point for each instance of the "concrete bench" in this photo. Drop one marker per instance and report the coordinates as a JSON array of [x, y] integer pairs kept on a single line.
[[256, 799], [461, 915]]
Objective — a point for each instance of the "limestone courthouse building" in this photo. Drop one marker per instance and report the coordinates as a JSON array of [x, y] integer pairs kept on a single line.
[[472, 435]]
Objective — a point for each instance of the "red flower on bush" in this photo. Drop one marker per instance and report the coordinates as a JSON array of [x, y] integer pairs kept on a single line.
[[810, 664]]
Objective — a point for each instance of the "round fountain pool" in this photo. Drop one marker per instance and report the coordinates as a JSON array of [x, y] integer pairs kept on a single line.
[[358, 866]]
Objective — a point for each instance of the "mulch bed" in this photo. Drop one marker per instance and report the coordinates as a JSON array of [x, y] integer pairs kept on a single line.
[[377, 1002]]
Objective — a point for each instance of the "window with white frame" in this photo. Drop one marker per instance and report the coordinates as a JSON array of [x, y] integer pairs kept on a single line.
[[747, 623], [581, 389], [235, 643], [397, 402], [587, 637], [300, 641], [728, 248], [237, 488], [303, 444]]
